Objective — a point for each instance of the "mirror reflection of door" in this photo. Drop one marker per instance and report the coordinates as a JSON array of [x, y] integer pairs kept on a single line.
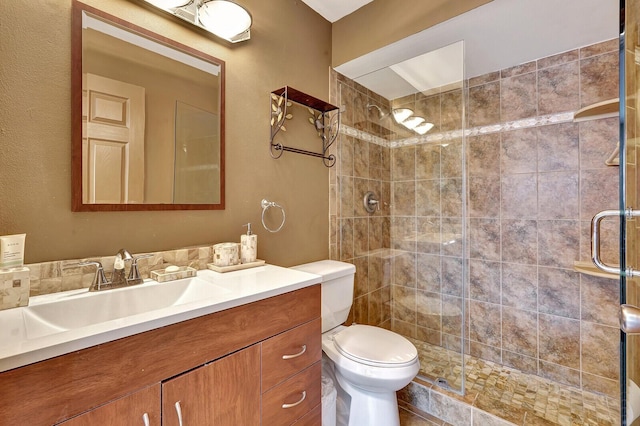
[[113, 141]]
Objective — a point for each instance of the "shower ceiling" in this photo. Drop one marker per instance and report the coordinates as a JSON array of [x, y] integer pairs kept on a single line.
[[497, 35]]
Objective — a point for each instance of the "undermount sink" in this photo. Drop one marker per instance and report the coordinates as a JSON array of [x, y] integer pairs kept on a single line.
[[81, 309]]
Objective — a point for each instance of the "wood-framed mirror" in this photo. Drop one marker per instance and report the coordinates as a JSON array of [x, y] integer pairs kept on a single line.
[[147, 119]]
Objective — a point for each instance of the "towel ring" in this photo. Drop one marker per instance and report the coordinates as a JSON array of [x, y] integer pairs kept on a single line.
[[265, 206]]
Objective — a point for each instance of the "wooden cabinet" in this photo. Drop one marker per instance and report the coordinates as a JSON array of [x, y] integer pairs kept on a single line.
[[225, 392], [140, 408], [236, 367]]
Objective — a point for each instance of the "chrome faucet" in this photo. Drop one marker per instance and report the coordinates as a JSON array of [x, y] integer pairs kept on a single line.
[[99, 280], [134, 274], [118, 277]]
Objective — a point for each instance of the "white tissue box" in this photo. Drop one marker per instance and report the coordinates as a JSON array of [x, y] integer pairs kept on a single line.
[[14, 288]]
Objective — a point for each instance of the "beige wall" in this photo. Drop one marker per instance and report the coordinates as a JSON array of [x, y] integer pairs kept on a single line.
[[35, 136], [390, 21]]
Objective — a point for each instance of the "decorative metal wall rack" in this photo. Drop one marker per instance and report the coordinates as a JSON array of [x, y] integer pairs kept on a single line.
[[326, 122]]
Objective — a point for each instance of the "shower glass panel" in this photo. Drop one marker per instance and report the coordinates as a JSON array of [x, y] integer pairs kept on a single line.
[[403, 139], [197, 156]]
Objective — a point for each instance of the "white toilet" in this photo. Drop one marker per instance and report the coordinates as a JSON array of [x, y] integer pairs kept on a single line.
[[370, 363]]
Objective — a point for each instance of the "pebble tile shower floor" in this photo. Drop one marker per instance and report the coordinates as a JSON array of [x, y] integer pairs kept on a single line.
[[520, 398]]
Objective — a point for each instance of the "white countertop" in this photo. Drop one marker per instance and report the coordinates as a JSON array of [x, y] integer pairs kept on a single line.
[[22, 343]]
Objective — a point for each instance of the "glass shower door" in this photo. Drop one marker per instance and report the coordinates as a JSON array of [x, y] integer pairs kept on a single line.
[[629, 214], [402, 144], [428, 215]]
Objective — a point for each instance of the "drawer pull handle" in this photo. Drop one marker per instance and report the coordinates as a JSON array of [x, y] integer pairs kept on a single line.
[[145, 419], [304, 349], [179, 412], [304, 396]]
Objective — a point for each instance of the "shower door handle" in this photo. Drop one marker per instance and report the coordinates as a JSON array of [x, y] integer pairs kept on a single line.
[[595, 242], [630, 319]]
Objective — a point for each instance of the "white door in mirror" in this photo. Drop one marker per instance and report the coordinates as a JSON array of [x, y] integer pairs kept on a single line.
[[113, 141]]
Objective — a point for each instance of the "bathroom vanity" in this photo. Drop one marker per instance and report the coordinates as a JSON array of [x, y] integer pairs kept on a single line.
[[250, 364]]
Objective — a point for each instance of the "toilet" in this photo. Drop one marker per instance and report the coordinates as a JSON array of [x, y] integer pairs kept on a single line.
[[370, 363]]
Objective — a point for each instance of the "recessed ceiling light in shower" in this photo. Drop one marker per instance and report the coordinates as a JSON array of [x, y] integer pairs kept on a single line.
[[401, 114], [412, 122], [423, 128]]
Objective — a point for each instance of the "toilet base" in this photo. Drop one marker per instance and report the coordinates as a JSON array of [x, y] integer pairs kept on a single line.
[[370, 408]]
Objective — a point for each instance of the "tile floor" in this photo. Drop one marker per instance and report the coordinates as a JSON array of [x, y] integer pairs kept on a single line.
[[520, 398]]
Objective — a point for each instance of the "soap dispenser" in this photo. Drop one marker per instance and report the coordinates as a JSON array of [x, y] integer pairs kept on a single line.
[[248, 246]]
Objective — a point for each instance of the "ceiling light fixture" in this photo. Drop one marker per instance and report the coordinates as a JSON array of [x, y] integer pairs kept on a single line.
[[169, 4], [226, 19], [223, 18]]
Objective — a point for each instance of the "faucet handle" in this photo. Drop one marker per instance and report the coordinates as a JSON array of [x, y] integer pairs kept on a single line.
[[99, 279], [134, 274]]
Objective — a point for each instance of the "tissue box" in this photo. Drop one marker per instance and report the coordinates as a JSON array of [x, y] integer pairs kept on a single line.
[[183, 272], [14, 288]]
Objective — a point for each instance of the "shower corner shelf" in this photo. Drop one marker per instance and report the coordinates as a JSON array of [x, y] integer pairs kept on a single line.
[[604, 109], [327, 123]]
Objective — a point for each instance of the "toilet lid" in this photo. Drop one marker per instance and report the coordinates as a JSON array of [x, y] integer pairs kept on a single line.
[[374, 345]]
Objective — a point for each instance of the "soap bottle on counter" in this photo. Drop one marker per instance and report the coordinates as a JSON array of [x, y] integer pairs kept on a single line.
[[248, 246]]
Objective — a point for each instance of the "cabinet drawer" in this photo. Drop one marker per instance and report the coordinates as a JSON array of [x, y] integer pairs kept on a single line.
[[293, 398], [288, 353], [312, 418]]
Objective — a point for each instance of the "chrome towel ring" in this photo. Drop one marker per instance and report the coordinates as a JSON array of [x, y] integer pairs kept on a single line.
[[265, 206]]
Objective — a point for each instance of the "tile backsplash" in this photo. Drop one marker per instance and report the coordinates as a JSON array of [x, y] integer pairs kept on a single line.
[[14, 288], [64, 275]]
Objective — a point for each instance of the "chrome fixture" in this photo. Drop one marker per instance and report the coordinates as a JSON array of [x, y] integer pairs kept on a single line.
[[118, 279], [630, 319], [99, 280], [595, 242], [134, 274], [381, 113], [266, 205], [371, 202], [223, 18]]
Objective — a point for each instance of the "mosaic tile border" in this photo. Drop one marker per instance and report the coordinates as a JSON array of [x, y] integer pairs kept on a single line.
[[543, 120]]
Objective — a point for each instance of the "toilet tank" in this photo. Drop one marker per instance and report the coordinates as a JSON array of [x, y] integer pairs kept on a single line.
[[336, 288]]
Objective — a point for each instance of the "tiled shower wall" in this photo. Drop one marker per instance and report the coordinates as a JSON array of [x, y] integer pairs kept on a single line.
[[534, 180]]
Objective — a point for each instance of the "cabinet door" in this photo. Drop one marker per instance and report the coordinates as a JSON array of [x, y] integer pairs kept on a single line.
[[225, 392], [140, 408]]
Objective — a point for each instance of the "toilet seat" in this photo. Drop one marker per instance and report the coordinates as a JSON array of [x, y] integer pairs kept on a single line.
[[375, 346]]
